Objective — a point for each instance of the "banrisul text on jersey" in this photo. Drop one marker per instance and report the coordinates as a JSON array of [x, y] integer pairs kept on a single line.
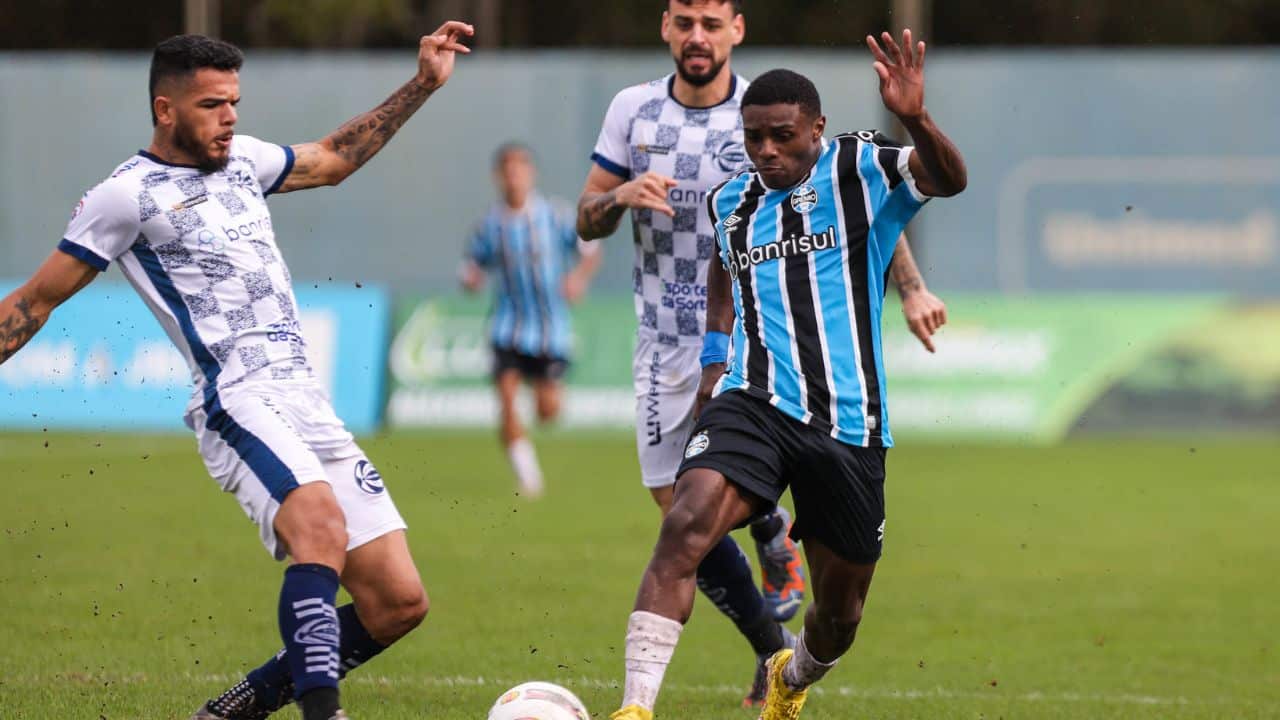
[[808, 265]]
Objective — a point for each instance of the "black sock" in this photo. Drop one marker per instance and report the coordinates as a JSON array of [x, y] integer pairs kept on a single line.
[[272, 684], [725, 578], [767, 527], [764, 634], [319, 703], [309, 626]]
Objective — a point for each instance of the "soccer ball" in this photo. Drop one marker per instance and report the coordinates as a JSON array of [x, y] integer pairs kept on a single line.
[[538, 701]]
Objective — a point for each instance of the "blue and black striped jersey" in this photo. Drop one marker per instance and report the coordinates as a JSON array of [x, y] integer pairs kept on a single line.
[[528, 252], [809, 266]]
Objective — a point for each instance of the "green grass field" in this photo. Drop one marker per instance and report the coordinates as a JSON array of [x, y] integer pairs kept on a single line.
[[1098, 579]]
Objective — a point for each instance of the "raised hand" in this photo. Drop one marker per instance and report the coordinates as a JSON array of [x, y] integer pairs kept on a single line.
[[901, 74], [436, 53]]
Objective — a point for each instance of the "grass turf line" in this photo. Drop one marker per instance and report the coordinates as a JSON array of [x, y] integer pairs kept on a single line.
[[1098, 579]]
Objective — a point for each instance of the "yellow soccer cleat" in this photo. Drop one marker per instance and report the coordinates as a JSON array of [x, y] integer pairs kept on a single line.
[[780, 701], [632, 712]]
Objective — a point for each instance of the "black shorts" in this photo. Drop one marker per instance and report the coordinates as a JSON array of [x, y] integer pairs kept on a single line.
[[837, 488], [531, 367]]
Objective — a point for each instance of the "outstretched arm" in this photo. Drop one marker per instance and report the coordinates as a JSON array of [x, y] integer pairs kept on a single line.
[[345, 150], [924, 312], [24, 311], [936, 164]]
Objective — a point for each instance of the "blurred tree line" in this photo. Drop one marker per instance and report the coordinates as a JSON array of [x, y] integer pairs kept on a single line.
[[131, 24]]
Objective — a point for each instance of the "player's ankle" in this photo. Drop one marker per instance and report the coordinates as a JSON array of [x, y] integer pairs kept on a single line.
[[319, 703]]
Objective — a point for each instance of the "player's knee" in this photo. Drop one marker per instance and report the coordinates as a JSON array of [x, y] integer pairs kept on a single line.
[[324, 536], [548, 409], [312, 525], [407, 612], [415, 608], [684, 539], [840, 624]]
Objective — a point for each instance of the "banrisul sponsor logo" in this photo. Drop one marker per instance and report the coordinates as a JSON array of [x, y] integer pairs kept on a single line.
[[741, 260]]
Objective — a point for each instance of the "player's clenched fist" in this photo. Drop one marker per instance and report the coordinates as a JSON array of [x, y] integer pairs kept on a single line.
[[647, 191], [436, 53]]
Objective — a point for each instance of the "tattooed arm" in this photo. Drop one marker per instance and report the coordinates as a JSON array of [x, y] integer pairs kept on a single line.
[[606, 197], [345, 150], [924, 312], [24, 311]]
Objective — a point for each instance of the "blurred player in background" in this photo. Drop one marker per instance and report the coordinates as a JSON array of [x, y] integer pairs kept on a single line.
[[805, 240], [527, 242], [662, 146], [187, 220]]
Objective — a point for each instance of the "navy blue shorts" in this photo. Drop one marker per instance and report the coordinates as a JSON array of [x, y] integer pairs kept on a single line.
[[530, 367]]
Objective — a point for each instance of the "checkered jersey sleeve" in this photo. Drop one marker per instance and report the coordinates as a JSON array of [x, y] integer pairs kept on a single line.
[[613, 151], [104, 225], [271, 163]]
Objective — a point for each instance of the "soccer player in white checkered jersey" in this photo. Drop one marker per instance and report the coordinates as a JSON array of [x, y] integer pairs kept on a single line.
[[663, 145], [188, 223]]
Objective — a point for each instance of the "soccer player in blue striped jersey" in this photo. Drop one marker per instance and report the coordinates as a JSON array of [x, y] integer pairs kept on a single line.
[[805, 240], [528, 242]]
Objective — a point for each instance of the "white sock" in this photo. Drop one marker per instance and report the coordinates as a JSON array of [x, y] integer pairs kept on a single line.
[[525, 462], [804, 669], [651, 641]]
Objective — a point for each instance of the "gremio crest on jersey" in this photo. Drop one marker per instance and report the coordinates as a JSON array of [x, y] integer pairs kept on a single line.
[[697, 445], [804, 199]]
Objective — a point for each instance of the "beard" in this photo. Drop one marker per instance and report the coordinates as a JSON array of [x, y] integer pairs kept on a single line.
[[186, 141], [699, 79]]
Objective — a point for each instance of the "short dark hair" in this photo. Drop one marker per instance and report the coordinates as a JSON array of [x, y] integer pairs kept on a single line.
[[737, 4], [182, 55], [508, 148], [783, 86]]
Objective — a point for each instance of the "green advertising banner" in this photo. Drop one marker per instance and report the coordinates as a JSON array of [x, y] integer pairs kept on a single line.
[[1017, 368], [440, 364]]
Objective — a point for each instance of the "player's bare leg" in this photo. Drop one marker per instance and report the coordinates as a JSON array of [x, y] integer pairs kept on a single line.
[[705, 508], [389, 601], [663, 496], [313, 529], [520, 452], [386, 590], [724, 577], [548, 395], [840, 590]]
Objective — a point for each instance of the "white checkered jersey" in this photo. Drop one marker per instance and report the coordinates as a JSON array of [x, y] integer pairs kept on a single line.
[[647, 129], [199, 248]]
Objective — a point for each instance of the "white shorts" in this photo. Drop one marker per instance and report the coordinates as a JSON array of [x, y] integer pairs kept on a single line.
[[260, 440], [666, 383]]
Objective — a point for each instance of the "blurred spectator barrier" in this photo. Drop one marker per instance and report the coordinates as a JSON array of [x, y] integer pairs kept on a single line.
[[1034, 369], [103, 363]]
